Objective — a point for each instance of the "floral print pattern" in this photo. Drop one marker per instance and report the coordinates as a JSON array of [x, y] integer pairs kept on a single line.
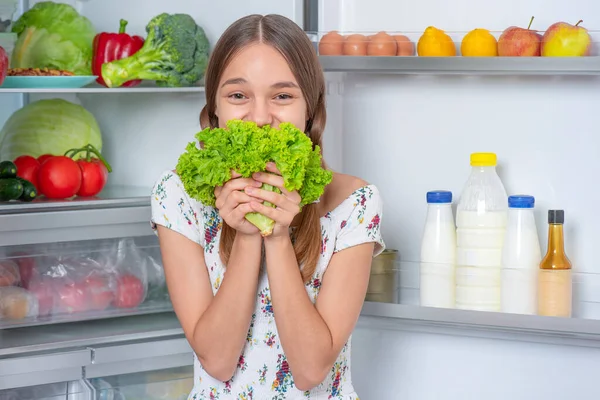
[[262, 370]]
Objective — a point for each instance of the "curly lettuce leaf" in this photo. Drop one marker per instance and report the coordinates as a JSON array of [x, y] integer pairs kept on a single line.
[[246, 148]]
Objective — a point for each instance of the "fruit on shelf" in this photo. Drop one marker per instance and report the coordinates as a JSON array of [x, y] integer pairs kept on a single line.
[[405, 46], [562, 39], [479, 43], [382, 44], [3, 65], [435, 43], [355, 45], [331, 44], [519, 42]]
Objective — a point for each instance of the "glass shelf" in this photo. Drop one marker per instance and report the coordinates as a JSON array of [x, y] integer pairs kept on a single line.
[[97, 89], [463, 65]]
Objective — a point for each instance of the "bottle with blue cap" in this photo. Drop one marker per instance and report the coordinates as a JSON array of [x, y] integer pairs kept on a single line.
[[438, 252], [521, 256]]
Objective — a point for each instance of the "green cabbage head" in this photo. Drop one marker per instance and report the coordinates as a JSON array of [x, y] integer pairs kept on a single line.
[[50, 126], [54, 35]]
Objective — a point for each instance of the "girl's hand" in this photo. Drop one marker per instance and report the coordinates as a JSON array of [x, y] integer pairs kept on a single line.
[[233, 204], [287, 204]]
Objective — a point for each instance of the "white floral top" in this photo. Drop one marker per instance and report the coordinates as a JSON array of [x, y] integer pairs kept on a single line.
[[263, 372]]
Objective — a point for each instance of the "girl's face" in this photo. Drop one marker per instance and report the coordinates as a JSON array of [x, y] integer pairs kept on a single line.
[[259, 86]]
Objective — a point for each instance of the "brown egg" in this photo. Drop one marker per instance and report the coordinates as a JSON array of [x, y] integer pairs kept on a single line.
[[381, 44], [331, 44], [355, 45], [405, 46]]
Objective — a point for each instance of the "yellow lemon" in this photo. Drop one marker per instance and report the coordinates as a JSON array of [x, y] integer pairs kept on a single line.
[[479, 43], [435, 43]]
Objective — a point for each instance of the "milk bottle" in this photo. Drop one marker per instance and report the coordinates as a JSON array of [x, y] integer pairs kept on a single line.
[[481, 223], [521, 256], [438, 252]]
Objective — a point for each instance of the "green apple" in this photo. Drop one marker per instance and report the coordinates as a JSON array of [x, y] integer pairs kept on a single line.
[[565, 40]]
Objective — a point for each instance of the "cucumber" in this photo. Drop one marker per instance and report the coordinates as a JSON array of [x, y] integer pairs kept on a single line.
[[29, 191], [10, 189], [8, 169]]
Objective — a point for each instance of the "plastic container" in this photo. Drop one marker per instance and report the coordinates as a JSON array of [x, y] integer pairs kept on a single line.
[[8, 8], [383, 279], [438, 252], [521, 256], [481, 225]]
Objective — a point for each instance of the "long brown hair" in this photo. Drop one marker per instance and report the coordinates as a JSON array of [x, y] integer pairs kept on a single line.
[[292, 42]]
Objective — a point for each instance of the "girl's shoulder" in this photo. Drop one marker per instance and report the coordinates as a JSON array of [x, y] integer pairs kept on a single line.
[[173, 208], [355, 207], [342, 191]]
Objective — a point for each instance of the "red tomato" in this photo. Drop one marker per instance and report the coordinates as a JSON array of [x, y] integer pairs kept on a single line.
[[27, 168], [94, 176], [130, 292], [72, 298], [59, 177], [44, 157], [27, 268], [99, 293]]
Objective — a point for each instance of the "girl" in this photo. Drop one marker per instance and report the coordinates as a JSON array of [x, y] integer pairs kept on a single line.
[[272, 324]]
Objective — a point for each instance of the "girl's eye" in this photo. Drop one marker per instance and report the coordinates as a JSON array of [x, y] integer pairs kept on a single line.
[[283, 96], [237, 96]]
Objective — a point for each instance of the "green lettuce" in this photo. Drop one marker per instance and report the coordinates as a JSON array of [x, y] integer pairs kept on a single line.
[[53, 35], [246, 148]]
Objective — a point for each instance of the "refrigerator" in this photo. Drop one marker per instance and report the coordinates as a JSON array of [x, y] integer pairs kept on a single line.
[[405, 124]]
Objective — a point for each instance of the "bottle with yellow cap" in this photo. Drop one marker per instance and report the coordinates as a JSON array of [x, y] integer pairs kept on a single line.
[[480, 226]]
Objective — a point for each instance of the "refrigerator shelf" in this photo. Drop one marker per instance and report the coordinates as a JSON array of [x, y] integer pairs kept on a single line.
[[103, 90], [463, 65], [117, 211]]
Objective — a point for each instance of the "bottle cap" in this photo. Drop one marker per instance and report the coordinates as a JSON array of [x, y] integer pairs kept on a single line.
[[556, 216], [483, 159], [439, 197], [521, 201]]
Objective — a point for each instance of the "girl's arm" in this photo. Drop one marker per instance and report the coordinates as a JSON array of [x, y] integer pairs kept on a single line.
[[215, 326], [313, 335]]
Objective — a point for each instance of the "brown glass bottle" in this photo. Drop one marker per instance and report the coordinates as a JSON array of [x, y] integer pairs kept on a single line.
[[555, 276]]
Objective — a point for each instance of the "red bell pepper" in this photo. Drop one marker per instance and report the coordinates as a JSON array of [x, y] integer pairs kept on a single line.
[[3, 65], [114, 46]]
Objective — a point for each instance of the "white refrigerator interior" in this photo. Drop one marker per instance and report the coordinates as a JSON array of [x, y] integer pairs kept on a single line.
[[408, 134], [412, 133]]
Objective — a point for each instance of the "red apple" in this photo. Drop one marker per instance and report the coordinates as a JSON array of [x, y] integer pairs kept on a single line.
[[520, 42], [130, 292]]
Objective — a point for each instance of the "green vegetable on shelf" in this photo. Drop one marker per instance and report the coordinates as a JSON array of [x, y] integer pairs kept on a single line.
[[49, 126], [175, 54], [10, 189], [246, 148], [8, 169], [53, 35], [29, 192]]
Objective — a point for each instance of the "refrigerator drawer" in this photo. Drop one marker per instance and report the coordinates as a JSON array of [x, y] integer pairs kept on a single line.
[[43, 369], [135, 357], [75, 390], [78, 281], [165, 384]]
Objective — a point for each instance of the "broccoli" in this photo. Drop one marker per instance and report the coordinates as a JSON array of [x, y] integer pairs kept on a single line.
[[175, 54]]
